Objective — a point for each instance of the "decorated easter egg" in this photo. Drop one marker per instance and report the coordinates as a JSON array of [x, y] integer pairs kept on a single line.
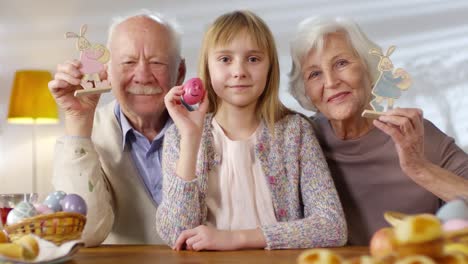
[[74, 203], [21, 211], [455, 209], [43, 209], [58, 194], [53, 200], [455, 224], [194, 91]]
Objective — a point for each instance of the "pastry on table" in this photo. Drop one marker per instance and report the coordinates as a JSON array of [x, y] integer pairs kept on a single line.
[[3, 237], [30, 246], [412, 235], [25, 248], [318, 256]]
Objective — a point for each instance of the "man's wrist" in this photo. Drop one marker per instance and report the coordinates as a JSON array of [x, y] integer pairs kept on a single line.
[[80, 126]]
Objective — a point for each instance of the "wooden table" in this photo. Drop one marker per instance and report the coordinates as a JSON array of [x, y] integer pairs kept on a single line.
[[117, 254]]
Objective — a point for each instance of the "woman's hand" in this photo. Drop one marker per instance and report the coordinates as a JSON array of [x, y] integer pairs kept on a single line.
[[405, 126], [189, 123], [206, 238]]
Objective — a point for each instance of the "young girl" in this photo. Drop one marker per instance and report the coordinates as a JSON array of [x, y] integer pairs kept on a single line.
[[250, 174]]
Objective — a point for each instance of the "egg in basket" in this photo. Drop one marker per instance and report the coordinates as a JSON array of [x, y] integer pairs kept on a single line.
[[60, 218]]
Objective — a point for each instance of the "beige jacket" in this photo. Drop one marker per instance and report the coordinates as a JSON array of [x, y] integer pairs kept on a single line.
[[120, 211]]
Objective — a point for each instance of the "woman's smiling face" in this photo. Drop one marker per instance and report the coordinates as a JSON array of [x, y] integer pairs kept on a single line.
[[336, 80]]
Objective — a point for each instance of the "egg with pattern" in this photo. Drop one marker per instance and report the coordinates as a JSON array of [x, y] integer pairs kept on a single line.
[[21, 211], [193, 91], [53, 200]]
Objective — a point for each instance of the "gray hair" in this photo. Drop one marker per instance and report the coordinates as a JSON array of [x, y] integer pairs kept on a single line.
[[170, 24], [311, 34]]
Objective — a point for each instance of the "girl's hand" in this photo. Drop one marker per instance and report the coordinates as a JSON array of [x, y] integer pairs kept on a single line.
[[190, 126], [189, 123], [206, 238], [405, 126]]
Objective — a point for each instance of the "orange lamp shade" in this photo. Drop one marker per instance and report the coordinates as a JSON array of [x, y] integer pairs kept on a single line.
[[30, 100]]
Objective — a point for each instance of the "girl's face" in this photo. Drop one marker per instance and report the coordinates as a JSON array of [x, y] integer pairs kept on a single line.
[[238, 71]]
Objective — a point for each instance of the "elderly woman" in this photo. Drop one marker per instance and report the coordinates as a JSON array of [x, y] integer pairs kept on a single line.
[[399, 161]]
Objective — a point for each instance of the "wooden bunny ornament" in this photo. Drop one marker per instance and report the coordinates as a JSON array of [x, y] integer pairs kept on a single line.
[[389, 84], [93, 57]]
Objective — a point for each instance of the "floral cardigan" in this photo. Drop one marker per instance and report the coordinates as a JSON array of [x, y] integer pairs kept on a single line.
[[305, 201]]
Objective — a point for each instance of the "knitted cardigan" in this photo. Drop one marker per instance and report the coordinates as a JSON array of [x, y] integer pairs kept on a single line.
[[305, 200]]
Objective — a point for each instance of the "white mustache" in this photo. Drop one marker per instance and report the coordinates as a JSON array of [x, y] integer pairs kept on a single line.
[[144, 90]]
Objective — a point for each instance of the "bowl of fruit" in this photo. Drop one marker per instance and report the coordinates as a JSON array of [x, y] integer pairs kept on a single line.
[[59, 218]]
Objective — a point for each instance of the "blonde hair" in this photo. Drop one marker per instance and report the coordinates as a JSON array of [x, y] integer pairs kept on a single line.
[[221, 32]]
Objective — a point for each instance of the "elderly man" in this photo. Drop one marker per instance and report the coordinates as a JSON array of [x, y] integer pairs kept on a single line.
[[112, 156]]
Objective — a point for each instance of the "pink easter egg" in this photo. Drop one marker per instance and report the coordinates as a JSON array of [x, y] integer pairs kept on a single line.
[[43, 209], [455, 224], [194, 91]]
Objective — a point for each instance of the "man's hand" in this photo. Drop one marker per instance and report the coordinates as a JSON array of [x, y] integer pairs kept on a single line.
[[79, 111], [66, 81]]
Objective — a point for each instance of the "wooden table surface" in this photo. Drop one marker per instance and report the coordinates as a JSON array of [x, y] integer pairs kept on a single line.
[[117, 254]]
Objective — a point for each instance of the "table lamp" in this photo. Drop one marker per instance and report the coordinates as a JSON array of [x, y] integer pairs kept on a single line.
[[32, 103]]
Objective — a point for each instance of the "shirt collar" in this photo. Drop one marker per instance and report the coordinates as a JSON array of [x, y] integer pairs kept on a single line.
[[128, 130]]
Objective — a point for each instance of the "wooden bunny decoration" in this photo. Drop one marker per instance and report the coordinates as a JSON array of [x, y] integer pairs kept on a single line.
[[389, 84], [93, 57]]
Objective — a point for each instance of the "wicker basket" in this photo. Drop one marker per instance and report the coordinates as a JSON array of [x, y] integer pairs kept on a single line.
[[58, 227]]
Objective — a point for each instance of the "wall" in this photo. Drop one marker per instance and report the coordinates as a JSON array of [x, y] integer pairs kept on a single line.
[[431, 36]]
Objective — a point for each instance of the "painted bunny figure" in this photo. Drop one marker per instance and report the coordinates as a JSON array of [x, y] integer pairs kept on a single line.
[[92, 57], [390, 82]]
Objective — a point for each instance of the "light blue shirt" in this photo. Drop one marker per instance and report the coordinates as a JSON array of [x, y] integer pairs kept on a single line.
[[146, 155]]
